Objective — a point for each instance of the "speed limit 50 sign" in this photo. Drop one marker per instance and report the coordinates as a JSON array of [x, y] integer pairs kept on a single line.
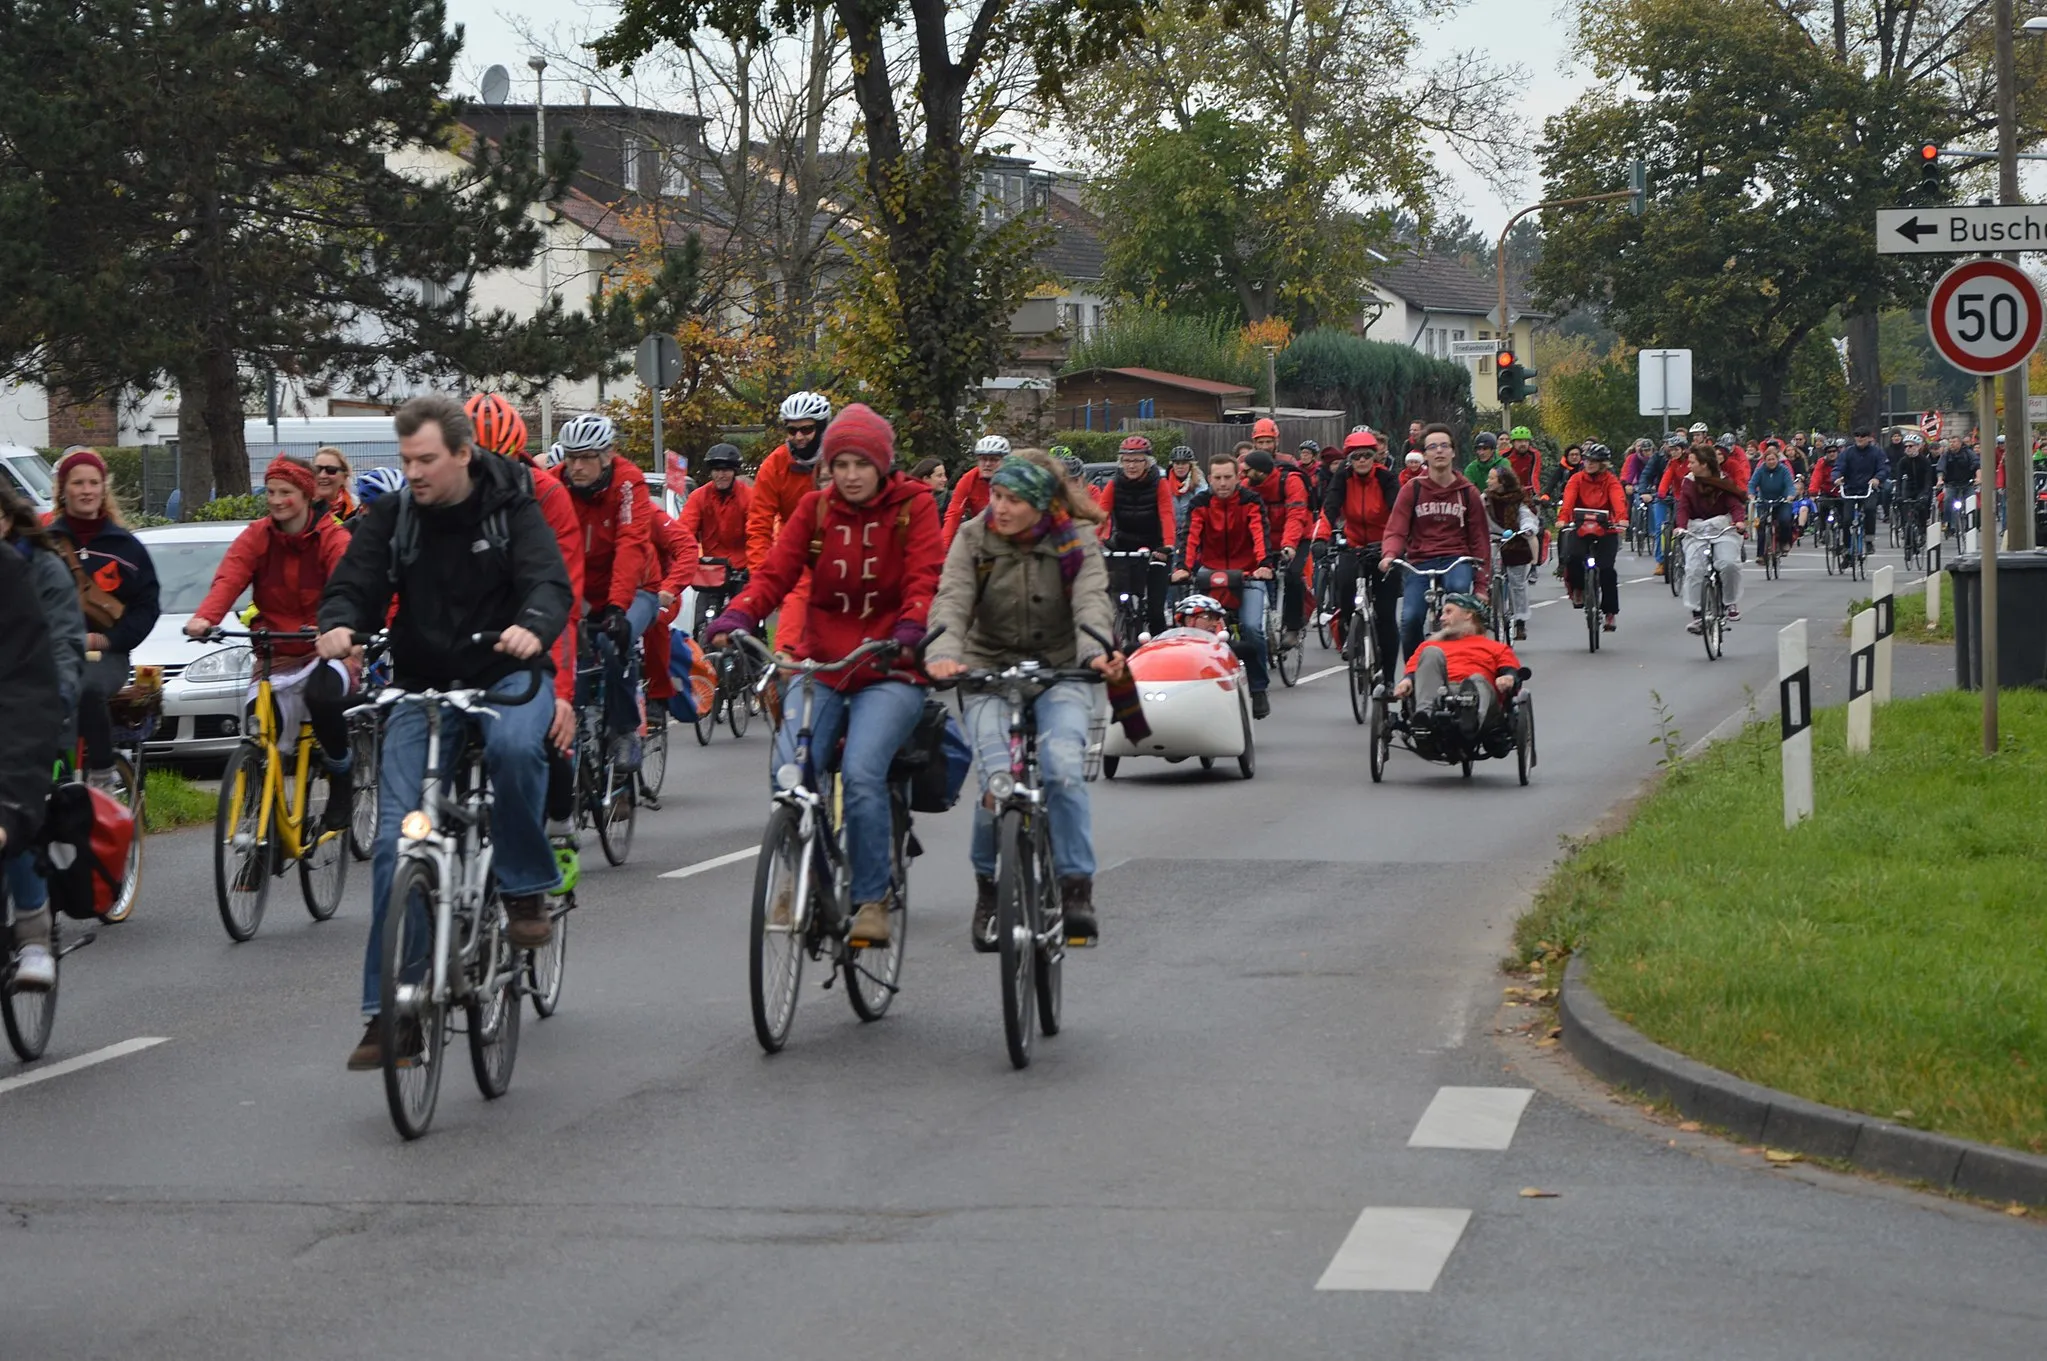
[[1984, 316]]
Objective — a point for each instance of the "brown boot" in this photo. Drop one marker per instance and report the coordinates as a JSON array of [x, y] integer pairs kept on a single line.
[[1077, 905], [530, 927], [870, 925], [984, 915]]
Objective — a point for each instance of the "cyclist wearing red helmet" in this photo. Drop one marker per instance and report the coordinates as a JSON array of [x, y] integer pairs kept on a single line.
[[1139, 499], [1358, 501]]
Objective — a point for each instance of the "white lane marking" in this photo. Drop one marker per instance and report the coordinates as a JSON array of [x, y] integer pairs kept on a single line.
[[1471, 1117], [97, 1056], [715, 862], [1395, 1248], [1318, 675]]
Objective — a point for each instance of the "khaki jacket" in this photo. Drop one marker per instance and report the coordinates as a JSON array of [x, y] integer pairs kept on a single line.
[[1001, 603]]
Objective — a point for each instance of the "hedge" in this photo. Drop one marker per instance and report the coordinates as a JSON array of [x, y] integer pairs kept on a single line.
[[1099, 446], [251, 507], [1383, 385]]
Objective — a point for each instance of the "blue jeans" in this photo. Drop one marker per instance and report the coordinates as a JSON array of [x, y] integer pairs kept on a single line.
[[1414, 599], [1063, 714], [887, 714], [1659, 515], [1251, 626], [621, 679], [515, 753]]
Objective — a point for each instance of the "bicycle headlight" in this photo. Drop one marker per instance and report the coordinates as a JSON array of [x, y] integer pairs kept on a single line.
[[788, 777], [1002, 784], [417, 826]]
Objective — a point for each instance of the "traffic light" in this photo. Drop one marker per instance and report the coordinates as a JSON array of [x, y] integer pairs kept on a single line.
[[1513, 384], [1933, 183]]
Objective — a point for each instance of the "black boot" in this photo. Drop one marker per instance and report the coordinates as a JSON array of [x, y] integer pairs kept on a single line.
[[984, 915], [1077, 905], [1260, 705], [340, 799]]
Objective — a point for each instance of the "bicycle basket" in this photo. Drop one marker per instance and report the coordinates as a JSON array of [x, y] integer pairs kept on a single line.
[[133, 711]]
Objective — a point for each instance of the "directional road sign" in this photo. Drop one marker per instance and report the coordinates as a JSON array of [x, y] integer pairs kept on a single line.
[[1961, 231], [1984, 317]]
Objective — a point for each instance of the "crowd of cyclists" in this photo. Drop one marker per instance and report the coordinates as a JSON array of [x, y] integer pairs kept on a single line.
[[479, 559]]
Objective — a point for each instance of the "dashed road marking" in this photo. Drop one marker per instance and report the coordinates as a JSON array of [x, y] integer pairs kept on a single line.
[[1318, 675], [1471, 1117], [1395, 1248], [715, 862], [97, 1056]]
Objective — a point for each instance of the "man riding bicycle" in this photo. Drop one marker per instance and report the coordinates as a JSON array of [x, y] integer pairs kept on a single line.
[[1915, 481], [621, 569], [1226, 533], [783, 479], [1025, 583], [970, 493], [1437, 518], [715, 516], [1359, 500], [1860, 473], [1583, 535], [869, 545], [1139, 499], [465, 550], [1285, 494]]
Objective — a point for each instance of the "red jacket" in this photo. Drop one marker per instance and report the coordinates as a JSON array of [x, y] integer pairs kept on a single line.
[[1429, 521], [877, 564], [1590, 491], [1736, 465], [1285, 494], [1464, 658], [717, 521], [777, 487], [1225, 533], [618, 542], [558, 509], [1527, 467], [969, 498], [288, 571], [1822, 483], [676, 552]]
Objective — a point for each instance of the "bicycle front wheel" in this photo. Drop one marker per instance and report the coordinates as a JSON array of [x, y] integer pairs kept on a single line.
[[545, 966], [1051, 961], [365, 745], [654, 753], [1016, 932], [616, 816], [128, 789], [412, 1023], [777, 947], [1709, 600], [241, 861], [493, 1019], [738, 705], [323, 869], [29, 1015]]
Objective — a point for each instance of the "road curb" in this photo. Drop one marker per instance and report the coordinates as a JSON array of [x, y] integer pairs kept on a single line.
[[1618, 1054]]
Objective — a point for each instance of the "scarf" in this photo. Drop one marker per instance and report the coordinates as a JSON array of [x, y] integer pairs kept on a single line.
[[1062, 535]]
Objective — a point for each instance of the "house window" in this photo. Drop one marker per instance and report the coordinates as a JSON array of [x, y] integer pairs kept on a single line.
[[674, 177], [629, 163]]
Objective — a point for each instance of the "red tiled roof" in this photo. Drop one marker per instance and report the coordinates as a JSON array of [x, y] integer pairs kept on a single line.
[[1172, 380]]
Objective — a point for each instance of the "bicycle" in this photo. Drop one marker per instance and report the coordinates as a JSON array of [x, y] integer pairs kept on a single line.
[[734, 695], [606, 796], [445, 937], [1673, 561], [1129, 585], [803, 878], [1831, 534], [1912, 530], [1030, 926], [1854, 546], [1712, 600], [366, 746], [1286, 655], [30, 1014], [1768, 550], [132, 712], [265, 821], [1361, 661], [1497, 598], [1588, 584], [1325, 585]]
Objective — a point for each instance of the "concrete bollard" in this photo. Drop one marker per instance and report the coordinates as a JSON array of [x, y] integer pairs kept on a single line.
[[1794, 707], [1861, 679], [1885, 604]]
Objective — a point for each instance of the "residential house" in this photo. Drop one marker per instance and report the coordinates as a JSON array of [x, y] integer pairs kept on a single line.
[[1443, 307]]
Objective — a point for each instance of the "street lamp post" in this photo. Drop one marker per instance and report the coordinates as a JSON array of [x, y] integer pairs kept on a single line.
[[539, 65]]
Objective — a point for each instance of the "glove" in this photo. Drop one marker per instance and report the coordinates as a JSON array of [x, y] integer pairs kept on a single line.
[[611, 621], [908, 633], [1286, 557]]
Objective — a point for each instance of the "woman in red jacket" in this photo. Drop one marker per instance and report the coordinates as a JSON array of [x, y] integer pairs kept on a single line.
[[871, 546], [286, 558], [1595, 488]]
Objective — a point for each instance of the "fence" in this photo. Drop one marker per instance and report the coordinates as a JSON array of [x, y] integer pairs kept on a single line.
[[1219, 437], [160, 465]]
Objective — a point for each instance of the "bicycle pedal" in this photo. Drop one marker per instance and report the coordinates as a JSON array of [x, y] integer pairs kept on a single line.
[[1082, 942]]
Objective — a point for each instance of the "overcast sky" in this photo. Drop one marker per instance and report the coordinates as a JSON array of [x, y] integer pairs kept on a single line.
[[1529, 33]]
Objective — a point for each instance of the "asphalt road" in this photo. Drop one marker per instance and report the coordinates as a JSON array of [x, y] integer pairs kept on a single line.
[[1295, 971]]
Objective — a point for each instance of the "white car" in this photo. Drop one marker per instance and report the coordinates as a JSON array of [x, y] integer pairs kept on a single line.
[[205, 690], [24, 470]]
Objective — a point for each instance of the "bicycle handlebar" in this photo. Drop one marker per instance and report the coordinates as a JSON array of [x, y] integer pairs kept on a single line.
[[1433, 572]]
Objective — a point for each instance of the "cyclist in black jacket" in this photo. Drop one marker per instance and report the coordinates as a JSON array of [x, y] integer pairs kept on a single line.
[[466, 550]]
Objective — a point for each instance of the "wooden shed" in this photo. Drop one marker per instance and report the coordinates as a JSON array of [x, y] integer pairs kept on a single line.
[[1100, 399]]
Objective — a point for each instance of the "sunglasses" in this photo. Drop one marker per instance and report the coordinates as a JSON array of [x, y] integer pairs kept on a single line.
[[802, 430], [327, 470]]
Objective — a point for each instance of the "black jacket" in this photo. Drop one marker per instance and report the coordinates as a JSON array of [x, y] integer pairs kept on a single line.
[[28, 678], [458, 583], [118, 564]]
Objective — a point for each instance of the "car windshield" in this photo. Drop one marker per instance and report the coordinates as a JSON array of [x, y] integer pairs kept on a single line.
[[32, 473], [184, 570]]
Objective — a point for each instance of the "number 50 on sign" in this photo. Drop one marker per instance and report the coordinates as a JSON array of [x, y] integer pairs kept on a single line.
[[1984, 316]]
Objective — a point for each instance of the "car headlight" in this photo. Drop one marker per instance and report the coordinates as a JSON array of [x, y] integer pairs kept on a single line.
[[222, 664]]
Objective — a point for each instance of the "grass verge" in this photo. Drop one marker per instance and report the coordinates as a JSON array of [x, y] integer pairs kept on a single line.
[[173, 801], [1909, 611], [1887, 955]]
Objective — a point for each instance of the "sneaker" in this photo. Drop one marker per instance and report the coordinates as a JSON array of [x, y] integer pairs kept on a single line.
[[530, 927], [107, 781], [1698, 625], [1260, 705], [560, 829], [1612, 622], [1077, 906], [35, 969], [1732, 614], [984, 915], [870, 925], [1520, 630], [368, 1056]]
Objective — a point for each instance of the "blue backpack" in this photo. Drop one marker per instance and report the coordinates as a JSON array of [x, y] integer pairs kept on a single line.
[[691, 671]]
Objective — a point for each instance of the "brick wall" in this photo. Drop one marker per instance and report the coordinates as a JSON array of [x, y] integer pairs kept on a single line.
[[91, 422]]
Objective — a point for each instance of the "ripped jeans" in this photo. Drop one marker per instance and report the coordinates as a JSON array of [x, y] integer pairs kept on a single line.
[[1063, 713]]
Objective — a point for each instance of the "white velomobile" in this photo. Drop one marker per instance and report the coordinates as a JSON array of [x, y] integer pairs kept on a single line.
[[1196, 698]]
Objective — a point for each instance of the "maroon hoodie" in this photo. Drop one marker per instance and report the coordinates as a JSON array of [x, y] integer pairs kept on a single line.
[[1429, 521]]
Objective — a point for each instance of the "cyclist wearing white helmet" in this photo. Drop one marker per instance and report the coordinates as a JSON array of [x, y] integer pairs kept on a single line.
[[970, 493], [620, 566], [783, 479]]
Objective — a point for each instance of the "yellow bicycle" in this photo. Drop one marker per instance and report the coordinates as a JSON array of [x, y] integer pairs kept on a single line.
[[271, 813]]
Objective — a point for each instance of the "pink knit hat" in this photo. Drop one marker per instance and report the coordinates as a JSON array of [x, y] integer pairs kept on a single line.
[[860, 429]]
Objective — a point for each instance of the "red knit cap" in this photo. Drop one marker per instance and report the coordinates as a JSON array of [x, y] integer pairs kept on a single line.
[[74, 456], [859, 429], [291, 470]]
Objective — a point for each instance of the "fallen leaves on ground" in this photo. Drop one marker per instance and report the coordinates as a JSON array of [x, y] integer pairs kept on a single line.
[[1781, 1156], [1689, 1126], [1537, 1193]]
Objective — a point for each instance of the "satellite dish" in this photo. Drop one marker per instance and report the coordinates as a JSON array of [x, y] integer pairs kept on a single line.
[[497, 84]]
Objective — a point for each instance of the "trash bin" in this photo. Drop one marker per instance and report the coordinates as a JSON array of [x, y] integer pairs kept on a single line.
[[2021, 620]]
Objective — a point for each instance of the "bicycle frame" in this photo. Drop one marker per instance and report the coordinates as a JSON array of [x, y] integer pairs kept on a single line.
[[1436, 594], [290, 804]]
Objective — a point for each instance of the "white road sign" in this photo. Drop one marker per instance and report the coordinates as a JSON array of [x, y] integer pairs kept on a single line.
[[1476, 349], [1666, 380], [1961, 231], [1984, 316]]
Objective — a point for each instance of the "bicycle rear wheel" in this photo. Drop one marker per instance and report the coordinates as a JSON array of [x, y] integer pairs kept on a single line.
[[29, 1015], [1592, 621], [654, 753], [739, 704], [413, 1025], [1051, 954], [1358, 677], [1377, 733], [128, 789], [1288, 662], [776, 953], [616, 815], [545, 966], [494, 1020], [706, 721], [241, 862], [1016, 931], [872, 974], [365, 745], [1709, 601]]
